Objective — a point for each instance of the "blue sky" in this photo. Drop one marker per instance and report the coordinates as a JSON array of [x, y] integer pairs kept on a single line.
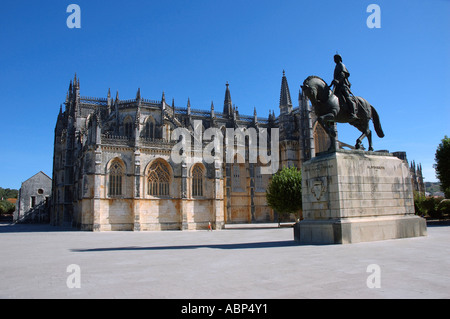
[[190, 49]]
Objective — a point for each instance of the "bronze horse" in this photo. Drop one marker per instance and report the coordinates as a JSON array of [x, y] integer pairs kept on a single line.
[[330, 109]]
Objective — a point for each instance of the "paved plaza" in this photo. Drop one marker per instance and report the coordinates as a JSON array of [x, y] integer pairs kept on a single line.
[[236, 263]]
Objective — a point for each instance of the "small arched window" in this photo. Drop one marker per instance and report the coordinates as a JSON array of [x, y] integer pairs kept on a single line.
[[197, 181], [158, 179], [115, 179]]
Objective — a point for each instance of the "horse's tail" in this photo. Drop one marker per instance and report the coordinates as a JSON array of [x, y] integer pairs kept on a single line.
[[376, 123]]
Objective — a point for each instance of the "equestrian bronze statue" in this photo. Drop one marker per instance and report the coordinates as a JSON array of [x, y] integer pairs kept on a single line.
[[340, 106], [342, 85]]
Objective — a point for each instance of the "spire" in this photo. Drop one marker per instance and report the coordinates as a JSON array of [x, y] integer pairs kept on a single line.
[[163, 104], [227, 105], [76, 82], [173, 108], [285, 96], [270, 119], [74, 94], [212, 110], [109, 101], [138, 94], [137, 118], [117, 96], [189, 106]]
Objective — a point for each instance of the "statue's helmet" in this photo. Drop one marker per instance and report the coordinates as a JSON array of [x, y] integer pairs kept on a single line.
[[337, 58]]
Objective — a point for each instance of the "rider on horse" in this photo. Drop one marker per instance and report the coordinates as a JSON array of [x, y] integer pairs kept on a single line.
[[342, 85]]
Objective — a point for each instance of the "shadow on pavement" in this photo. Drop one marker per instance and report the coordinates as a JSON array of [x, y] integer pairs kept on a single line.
[[32, 228], [270, 244], [438, 223]]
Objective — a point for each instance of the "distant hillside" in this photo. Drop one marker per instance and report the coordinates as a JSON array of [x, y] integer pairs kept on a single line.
[[433, 187]]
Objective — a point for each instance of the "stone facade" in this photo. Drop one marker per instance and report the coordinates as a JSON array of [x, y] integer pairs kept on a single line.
[[113, 168], [33, 201]]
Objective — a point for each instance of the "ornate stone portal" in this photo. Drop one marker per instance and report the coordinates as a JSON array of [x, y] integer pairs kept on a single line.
[[357, 196]]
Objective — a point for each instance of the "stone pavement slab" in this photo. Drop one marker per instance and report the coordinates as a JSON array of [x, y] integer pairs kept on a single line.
[[232, 264]]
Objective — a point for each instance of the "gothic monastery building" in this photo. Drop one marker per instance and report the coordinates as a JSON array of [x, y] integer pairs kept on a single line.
[[113, 167]]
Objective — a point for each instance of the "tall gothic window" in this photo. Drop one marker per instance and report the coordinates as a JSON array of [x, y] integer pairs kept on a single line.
[[128, 125], [197, 181], [150, 128], [115, 179], [158, 179]]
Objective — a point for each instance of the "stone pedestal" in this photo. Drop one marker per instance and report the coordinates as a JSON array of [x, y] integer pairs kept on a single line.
[[357, 196]]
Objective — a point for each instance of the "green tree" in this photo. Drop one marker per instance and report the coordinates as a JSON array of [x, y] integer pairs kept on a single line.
[[444, 207], [284, 194], [419, 200], [6, 207], [442, 165], [6, 193]]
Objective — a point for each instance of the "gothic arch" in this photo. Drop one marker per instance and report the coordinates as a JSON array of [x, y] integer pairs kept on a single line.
[[198, 174], [119, 160], [150, 127], [158, 178], [115, 177], [128, 126]]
